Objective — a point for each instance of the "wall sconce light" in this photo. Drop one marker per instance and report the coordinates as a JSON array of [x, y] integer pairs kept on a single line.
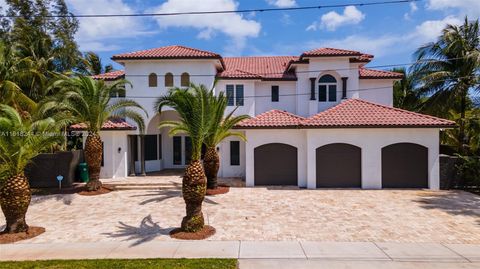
[[119, 149]]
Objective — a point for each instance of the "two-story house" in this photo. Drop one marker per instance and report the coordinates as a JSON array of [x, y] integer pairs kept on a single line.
[[321, 119]]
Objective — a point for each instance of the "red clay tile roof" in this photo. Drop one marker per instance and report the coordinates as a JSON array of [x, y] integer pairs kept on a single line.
[[109, 125], [265, 68], [364, 58], [365, 73], [114, 75], [329, 52], [273, 118], [360, 113], [169, 52]]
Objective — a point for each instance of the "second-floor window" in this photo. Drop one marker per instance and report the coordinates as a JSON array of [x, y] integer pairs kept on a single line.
[[168, 79], [185, 80], [327, 89], [235, 95], [152, 80], [275, 93]]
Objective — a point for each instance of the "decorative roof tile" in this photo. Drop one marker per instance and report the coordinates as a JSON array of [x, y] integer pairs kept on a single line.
[[360, 113], [365, 73], [330, 52], [169, 52], [272, 119], [266, 68], [110, 76], [112, 124]]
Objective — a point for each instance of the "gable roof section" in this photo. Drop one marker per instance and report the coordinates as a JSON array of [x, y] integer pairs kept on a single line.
[[272, 119], [168, 52], [330, 52], [265, 68], [351, 113], [110, 76], [110, 125], [365, 73], [357, 113]]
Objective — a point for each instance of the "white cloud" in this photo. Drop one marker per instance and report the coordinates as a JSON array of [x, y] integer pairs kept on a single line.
[[430, 30], [466, 7], [282, 3], [235, 26], [98, 33], [413, 9], [3, 5], [332, 20]]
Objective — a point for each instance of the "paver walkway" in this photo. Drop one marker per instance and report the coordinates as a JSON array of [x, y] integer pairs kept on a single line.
[[265, 254]]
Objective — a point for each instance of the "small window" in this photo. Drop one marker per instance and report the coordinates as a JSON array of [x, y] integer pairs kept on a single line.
[[275, 96], [168, 79], [239, 95], [159, 146], [332, 93], [322, 93], [177, 150], [151, 148], [188, 150], [234, 152], [185, 80], [230, 95], [152, 80]]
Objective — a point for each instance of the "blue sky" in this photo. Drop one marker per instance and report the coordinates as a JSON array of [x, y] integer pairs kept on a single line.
[[390, 32]]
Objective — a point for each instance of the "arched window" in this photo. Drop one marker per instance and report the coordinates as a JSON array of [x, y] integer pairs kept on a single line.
[[327, 89], [185, 80], [168, 79], [152, 80]]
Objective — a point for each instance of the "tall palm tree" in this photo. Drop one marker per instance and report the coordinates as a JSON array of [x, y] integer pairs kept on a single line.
[[447, 69], [195, 113], [22, 140], [220, 129], [89, 101], [91, 64], [12, 70], [404, 94]]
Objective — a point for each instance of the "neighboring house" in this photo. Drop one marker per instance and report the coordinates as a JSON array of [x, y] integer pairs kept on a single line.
[[320, 119]]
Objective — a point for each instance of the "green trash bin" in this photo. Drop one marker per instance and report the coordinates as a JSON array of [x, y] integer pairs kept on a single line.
[[83, 171]]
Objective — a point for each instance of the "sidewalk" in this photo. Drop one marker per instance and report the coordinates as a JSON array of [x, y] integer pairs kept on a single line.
[[263, 254]]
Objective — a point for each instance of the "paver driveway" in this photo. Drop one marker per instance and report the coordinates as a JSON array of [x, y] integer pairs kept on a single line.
[[263, 214]]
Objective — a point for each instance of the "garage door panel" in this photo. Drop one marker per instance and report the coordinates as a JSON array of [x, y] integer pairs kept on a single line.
[[338, 166], [275, 164], [405, 165]]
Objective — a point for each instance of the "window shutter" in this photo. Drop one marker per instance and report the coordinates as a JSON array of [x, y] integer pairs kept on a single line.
[[152, 80], [169, 80], [239, 95], [230, 95], [185, 80]]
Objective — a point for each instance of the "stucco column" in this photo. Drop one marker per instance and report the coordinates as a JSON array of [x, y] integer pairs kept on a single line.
[[133, 140], [434, 161], [249, 163], [371, 165], [142, 155], [311, 164]]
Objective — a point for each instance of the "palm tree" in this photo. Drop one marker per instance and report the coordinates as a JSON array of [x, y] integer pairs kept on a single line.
[[13, 70], [220, 129], [89, 101], [22, 140], [404, 94], [195, 113], [91, 64], [447, 69]]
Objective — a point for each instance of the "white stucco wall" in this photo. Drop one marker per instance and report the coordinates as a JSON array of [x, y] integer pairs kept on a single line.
[[378, 91], [370, 140], [226, 169], [115, 153], [286, 101], [248, 107]]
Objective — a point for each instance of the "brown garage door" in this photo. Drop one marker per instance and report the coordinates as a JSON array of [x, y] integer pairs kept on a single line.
[[275, 164], [405, 165], [339, 166]]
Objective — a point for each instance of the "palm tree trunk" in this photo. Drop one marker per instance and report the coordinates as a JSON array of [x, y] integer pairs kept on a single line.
[[193, 190], [15, 198], [211, 164], [93, 157]]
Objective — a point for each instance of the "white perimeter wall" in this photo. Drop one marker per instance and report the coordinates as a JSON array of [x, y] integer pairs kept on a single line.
[[370, 140]]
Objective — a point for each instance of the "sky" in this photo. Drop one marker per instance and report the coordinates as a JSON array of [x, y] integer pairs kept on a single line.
[[390, 32]]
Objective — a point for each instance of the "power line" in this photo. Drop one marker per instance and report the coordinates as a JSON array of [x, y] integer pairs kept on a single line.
[[312, 71], [300, 8]]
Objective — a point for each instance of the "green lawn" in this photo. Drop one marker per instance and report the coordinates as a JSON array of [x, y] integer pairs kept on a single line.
[[125, 264]]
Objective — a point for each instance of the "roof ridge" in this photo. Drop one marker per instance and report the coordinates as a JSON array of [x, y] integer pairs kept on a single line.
[[402, 110]]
